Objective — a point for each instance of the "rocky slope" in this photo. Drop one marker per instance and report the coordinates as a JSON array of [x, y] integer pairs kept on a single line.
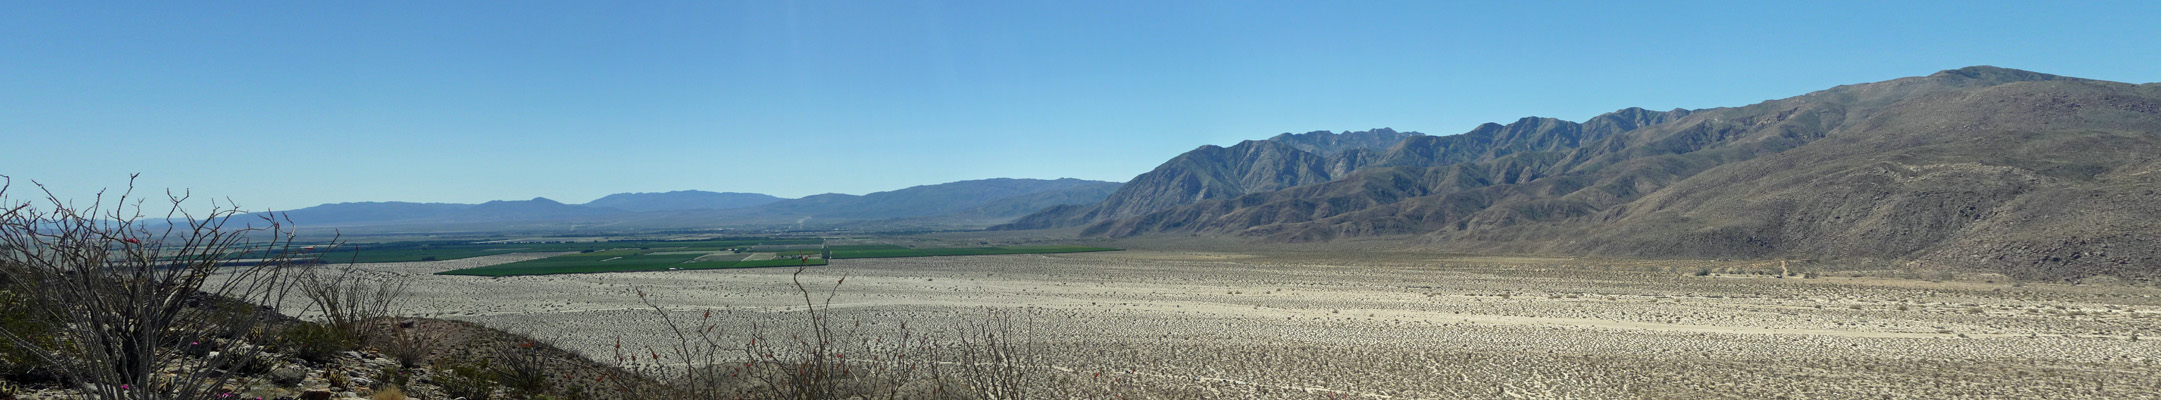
[[1327, 143], [2033, 175], [1285, 161]]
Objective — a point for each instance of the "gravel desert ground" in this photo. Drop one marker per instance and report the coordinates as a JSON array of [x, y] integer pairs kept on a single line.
[[1225, 324]]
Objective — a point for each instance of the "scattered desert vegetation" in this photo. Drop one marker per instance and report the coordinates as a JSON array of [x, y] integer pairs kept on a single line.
[[1213, 321], [1374, 324]]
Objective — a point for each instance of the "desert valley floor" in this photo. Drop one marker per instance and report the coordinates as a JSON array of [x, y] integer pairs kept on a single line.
[[1194, 324]]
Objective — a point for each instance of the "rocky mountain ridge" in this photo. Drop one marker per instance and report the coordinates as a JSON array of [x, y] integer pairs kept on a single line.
[[2028, 174], [1257, 166]]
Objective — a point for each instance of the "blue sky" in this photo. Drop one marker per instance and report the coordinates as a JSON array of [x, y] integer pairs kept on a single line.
[[280, 105]]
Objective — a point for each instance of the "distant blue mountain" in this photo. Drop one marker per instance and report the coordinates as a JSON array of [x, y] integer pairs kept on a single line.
[[681, 200], [970, 201]]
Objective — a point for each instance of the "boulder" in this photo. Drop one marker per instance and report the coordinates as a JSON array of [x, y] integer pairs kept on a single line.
[[288, 375]]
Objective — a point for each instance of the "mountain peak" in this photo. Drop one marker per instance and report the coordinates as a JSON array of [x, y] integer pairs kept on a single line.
[[1328, 143], [1994, 74], [539, 201]]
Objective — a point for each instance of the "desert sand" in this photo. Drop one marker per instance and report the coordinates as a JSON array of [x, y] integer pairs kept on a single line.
[[1192, 324]]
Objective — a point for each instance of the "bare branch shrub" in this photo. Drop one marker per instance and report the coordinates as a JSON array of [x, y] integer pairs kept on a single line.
[[996, 362], [803, 355], [810, 353], [141, 304], [525, 369], [410, 348], [351, 301]]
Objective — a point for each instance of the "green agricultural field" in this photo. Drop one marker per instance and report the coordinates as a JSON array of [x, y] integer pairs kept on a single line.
[[662, 256], [451, 250], [620, 261], [851, 247], [890, 251]]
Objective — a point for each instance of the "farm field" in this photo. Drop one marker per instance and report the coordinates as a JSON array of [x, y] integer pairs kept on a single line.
[[1374, 325], [893, 251], [690, 255], [442, 250], [627, 260], [437, 250]]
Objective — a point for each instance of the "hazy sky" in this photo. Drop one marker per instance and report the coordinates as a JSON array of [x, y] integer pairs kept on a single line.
[[289, 104]]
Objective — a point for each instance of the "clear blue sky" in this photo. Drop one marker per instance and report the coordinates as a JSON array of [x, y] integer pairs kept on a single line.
[[289, 104]]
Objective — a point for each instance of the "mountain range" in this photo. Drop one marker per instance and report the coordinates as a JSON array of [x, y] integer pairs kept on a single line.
[[976, 202], [2033, 175]]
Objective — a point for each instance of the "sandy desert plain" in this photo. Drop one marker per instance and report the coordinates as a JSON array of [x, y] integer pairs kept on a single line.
[[1301, 323]]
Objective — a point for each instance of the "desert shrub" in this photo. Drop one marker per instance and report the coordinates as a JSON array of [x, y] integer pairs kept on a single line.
[[337, 379], [21, 363], [813, 354], [311, 341], [468, 379], [131, 296], [576, 392], [411, 349], [996, 362], [805, 355], [393, 377], [524, 369], [391, 392], [349, 301]]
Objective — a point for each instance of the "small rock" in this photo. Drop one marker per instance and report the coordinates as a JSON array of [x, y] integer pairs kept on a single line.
[[288, 375], [315, 395]]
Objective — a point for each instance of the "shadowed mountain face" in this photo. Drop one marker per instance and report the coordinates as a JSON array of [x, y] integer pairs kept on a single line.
[[1212, 172], [1020, 205], [1259, 166], [2033, 175]]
